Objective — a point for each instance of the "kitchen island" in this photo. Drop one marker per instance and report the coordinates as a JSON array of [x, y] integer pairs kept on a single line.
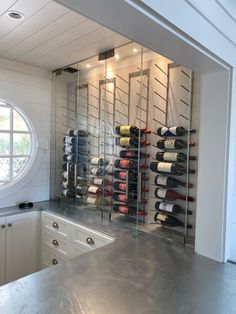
[[137, 273]]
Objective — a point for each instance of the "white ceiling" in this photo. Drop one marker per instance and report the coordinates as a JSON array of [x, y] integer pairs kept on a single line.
[[51, 36]]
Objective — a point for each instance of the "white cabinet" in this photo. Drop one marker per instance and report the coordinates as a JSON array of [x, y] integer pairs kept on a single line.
[[62, 239], [2, 251], [18, 243]]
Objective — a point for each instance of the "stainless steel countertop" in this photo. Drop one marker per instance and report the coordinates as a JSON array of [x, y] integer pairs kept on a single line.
[[138, 273]]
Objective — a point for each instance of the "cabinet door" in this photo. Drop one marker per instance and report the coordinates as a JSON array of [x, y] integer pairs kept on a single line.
[[20, 245], [2, 250]]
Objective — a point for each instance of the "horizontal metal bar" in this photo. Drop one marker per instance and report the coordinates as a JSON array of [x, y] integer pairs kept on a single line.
[[14, 131], [160, 96], [109, 102], [159, 109], [185, 88], [145, 110], [82, 96], [142, 84], [72, 119], [15, 156], [121, 78], [145, 98], [90, 114], [154, 119], [181, 115], [94, 86], [121, 113], [161, 69], [67, 108], [184, 102], [94, 96], [160, 82], [106, 90], [121, 101], [185, 73], [122, 90]]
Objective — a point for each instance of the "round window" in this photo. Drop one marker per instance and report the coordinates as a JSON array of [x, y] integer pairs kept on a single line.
[[16, 144]]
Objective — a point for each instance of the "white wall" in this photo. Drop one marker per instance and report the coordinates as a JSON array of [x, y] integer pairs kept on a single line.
[[29, 88]]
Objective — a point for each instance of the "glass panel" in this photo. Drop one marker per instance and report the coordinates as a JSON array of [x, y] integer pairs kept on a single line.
[[18, 122], [18, 165], [21, 144], [5, 168], [4, 118], [4, 143]]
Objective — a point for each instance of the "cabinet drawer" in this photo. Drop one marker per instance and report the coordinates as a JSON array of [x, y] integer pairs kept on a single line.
[[55, 224], [50, 258], [78, 249], [89, 238], [55, 242]]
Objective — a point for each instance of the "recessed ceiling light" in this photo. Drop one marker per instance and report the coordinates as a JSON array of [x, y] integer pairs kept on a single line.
[[88, 65], [135, 50], [15, 15]]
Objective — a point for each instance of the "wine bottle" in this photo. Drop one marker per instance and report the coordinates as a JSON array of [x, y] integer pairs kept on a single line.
[[171, 208], [81, 133], [130, 142], [132, 154], [169, 167], [128, 164], [169, 221], [122, 175], [173, 131], [69, 149], [173, 156], [101, 181], [169, 182], [69, 140], [65, 184], [96, 161], [95, 171], [171, 195], [69, 158], [128, 210], [97, 201], [98, 190], [68, 193], [132, 187], [172, 144], [81, 190], [130, 130], [132, 198], [71, 167]]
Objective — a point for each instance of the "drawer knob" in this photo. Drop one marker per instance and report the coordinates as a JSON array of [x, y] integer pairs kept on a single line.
[[55, 243], [3, 226], [10, 224], [55, 225], [90, 241], [54, 261]]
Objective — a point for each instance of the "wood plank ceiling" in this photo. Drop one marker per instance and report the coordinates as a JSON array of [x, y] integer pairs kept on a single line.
[[51, 36]]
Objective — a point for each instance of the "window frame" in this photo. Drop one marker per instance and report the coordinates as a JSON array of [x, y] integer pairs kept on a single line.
[[33, 144]]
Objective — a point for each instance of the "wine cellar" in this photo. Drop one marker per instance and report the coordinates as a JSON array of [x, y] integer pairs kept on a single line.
[[124, 142]]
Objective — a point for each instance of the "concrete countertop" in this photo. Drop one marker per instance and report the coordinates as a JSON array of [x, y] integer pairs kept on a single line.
[[138, 273]]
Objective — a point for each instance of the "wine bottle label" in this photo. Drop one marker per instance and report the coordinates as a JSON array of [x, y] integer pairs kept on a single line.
[[64, 175], [170, 156], [91, 200], [95, 160], [123, 209], [125, 141], [65, 184], [166, 207], [164, 130], [92, 189], [125, 129], [122, 186], [122, 197], [161, 193], [169, 144], [161, 180], [97, 181], [94, 170], [161, 217], [173, 130], [122, 175], [164, 167], [124, 163], [130, 154]]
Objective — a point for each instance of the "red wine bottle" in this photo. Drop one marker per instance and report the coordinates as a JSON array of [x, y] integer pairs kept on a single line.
[[132, 154], [172, 144], [171, 195], [173, 156], [68, 193], [169, 221], [101, 181], [170, 208], [128, 164], [132, 198], [173, 131], [98, 190], [130, 142], [130, 130], [169, 167], [169, 182], [128, 210]]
